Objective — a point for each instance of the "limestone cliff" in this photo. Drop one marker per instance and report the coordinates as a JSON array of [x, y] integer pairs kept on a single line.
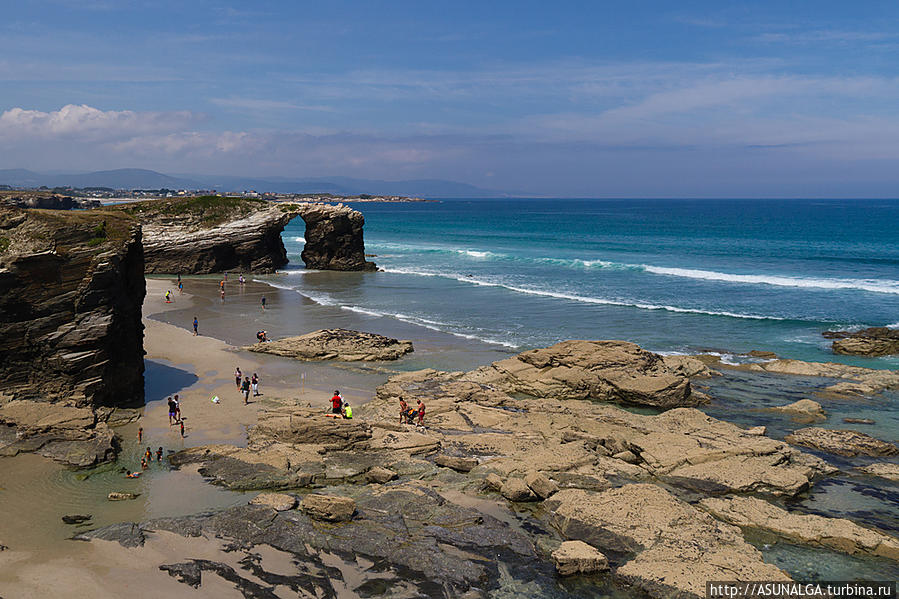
[[216, 234], [71, 289]]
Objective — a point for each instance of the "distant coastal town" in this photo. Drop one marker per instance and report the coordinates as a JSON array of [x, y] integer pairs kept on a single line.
[[94, 196]]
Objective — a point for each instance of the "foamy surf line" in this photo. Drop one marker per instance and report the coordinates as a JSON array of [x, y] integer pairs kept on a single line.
[[580, 298], [870, 285], [426, 323]]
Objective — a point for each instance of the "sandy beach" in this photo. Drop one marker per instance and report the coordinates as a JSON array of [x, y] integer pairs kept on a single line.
[[40, 560]]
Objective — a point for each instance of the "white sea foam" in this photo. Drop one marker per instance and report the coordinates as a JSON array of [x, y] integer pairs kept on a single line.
[[872, 285], [300, 239], [580, 298], [895, 325]]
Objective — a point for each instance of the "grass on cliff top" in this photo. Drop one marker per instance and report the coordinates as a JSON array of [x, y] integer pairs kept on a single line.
[[208, 210], [66, 230]]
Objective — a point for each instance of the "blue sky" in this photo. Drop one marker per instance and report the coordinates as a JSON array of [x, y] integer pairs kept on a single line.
[[604, 99]]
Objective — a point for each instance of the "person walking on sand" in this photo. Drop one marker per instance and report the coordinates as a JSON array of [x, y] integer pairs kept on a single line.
[[337, 403], [245, 389], [238, 377], [196, 324], [263, 302], [421, 413], [171, 411], [255, 382], [180, 288], [177, 403]]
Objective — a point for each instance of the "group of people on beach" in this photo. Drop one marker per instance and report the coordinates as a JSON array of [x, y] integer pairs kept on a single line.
[[240, 281], [175, 412], [246, 383], [408, 415], [339, 407], [147, 457]]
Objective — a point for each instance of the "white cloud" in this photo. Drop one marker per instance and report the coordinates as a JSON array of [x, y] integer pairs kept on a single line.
[[89, 123]]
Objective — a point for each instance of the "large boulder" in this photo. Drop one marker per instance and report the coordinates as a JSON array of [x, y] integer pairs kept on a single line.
[[842, 442], [540, 484], [804, 410], [599, 370], [336, 344], [459, 464], [833, 533], [577, 557], [331, 508], [664, 545]]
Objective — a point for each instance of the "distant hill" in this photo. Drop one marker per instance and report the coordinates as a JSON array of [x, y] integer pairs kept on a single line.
[[134, 178]]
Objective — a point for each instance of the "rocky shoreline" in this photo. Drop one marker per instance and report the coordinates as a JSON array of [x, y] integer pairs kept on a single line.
[[652, 499]]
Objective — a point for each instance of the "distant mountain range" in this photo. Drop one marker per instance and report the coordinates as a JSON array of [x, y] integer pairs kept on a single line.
[[135, 178]]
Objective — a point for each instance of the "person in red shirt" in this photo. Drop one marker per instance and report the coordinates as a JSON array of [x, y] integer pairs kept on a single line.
[[421, 412], [337, 403]]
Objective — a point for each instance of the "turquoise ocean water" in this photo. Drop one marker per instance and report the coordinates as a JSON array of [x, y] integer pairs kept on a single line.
[[671, 275], [500, 276]]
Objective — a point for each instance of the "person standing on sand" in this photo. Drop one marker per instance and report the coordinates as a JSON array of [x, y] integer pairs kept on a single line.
[[245, 389], [171, 411], [421, 413], [238, 376], [404, 407], [140, 434], [180, 288], [177, 403], [196, 324], [182, 429], [263, 302], [337, 403], [255, 382]]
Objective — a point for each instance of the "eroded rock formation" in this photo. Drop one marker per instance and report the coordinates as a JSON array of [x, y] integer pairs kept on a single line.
[[336, 344], [217, 234], [810, 529], [601, 370], [872, 342], [71, 290], [842, 442]]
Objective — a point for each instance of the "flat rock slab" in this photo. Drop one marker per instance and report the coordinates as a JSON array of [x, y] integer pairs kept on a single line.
[[456, 463], [883, 470], [842, 442], [277, 501], [577, 557], [678, 547], [331, 508], [833, 533], [336, 344]]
